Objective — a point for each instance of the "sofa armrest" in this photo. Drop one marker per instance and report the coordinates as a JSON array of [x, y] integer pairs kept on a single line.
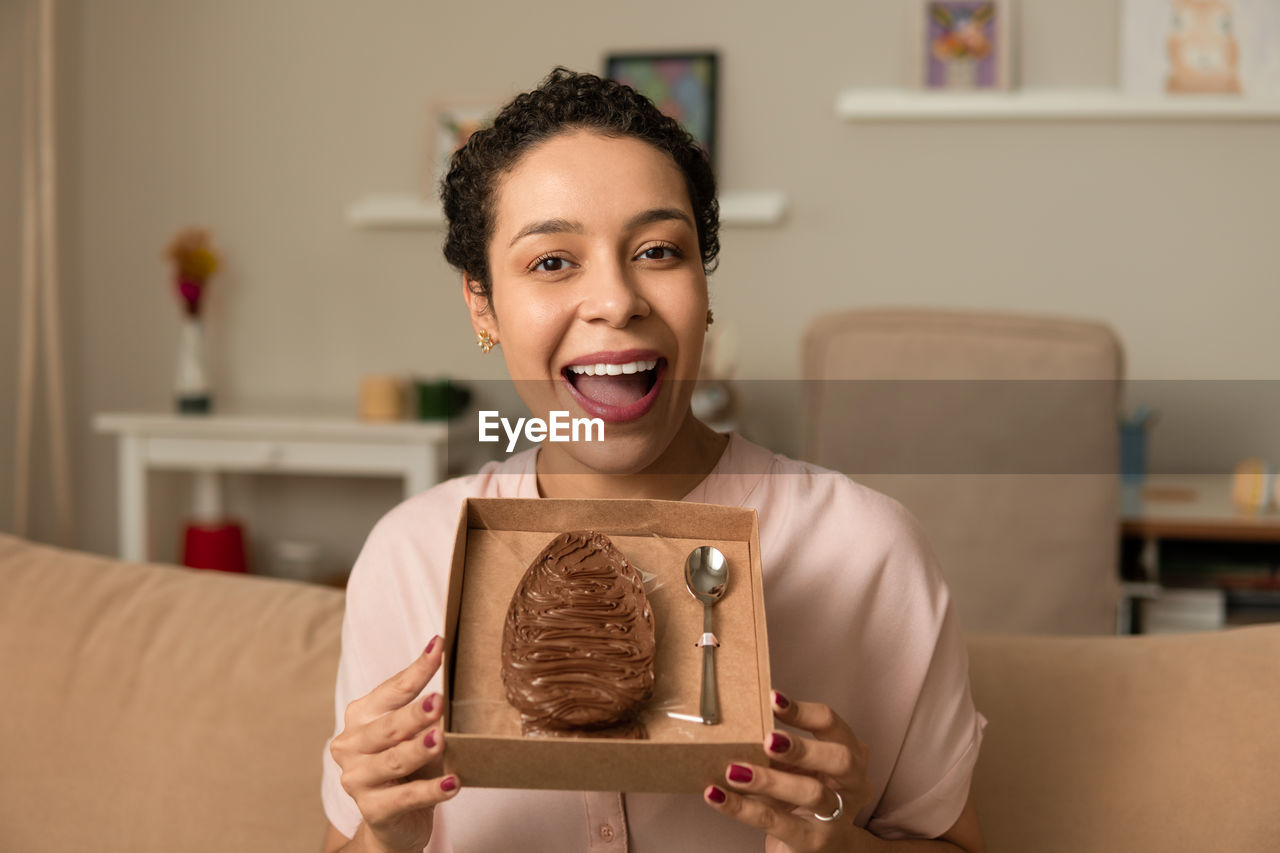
[[1152, 743], [154, 708]]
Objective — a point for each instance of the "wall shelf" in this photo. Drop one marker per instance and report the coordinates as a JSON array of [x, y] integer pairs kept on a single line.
[[864, 105], [407, 211], [395, 211]]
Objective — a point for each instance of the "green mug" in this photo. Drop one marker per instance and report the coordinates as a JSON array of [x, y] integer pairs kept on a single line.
[[439, 399]]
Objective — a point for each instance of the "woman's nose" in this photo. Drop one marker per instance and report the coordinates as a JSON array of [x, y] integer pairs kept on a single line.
[[613, 295]]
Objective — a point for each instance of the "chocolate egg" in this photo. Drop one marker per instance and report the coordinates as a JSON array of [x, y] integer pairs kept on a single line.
[[578, 642]]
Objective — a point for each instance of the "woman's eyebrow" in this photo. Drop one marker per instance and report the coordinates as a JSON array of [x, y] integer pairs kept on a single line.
[[659, 214], [547, 226], [562, 226]]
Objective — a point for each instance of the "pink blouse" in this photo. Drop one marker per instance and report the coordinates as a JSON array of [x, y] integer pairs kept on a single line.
[[859, 618]]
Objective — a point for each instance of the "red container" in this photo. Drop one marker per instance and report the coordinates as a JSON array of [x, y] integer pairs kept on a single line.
[[217, 546]]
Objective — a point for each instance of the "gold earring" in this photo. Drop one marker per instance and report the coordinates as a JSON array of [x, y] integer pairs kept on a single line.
[[484, 340], [711, 318]]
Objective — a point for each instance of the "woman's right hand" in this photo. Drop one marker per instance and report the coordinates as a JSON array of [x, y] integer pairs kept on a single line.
[[390, 752]]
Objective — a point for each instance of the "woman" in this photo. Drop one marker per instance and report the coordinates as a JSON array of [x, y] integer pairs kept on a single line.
[[584, 223]]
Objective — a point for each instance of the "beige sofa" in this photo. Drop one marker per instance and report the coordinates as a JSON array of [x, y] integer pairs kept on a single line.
[[998, 432], [154, 709]]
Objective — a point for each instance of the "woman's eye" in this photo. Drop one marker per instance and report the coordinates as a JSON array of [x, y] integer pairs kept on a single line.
[[549, 263], [660, 253]]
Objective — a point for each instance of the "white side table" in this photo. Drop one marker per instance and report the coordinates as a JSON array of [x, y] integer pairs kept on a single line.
[[210, 444]]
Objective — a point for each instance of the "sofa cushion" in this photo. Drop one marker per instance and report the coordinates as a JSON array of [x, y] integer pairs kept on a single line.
[[1137, 744], [998, 432], [153, 708]]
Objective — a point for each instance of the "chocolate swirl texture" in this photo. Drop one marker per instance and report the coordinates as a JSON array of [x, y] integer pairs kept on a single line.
[[578, 643]]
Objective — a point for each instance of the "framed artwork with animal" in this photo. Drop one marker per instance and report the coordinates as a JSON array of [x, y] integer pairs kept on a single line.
[[1200, 47], [963, 45]]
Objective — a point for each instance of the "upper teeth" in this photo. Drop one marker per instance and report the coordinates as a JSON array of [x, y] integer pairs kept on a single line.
[[613, 369]]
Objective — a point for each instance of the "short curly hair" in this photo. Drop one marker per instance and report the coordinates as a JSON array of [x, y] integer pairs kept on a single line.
[[564, 101]]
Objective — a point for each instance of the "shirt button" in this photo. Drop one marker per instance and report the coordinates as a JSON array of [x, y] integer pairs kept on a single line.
[[606, 832]]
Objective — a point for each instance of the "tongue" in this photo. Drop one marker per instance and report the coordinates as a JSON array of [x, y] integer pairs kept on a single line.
[[622, 390]]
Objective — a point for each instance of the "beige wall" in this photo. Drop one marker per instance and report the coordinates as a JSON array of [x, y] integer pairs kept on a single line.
[[264, 118]]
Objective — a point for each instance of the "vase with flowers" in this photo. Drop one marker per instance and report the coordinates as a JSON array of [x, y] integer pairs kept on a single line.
[[194, 262]]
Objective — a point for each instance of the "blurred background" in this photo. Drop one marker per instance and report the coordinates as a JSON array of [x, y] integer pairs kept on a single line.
[[270, 122]]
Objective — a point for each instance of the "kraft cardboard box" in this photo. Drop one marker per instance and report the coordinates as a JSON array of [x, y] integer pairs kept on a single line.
[[498, 538]]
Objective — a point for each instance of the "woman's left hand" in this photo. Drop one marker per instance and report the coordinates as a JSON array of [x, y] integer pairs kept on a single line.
[[810, 777]]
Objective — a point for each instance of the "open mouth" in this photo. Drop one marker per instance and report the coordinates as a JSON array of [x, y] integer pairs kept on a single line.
[[616, 391]]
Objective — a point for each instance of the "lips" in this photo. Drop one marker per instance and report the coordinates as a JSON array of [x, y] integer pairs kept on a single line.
[[616, 386]]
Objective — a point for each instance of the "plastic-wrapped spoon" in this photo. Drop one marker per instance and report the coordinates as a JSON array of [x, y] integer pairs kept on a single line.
[[706, 574]]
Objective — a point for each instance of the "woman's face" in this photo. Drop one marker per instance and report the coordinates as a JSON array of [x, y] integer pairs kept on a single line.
[[599, 298]]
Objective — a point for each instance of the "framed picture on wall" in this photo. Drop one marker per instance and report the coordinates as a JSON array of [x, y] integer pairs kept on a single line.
[[683, 85], [964, 45], [1200, 47], [451, 126]]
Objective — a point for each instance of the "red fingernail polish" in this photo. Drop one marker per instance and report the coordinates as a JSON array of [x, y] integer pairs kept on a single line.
[[449, 783], [431, 645], [429, 704], [781, 701], [738, 773], [715, 795], [778, 742], [430, 739]]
